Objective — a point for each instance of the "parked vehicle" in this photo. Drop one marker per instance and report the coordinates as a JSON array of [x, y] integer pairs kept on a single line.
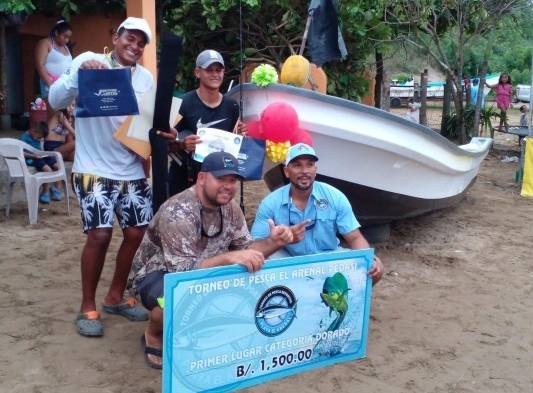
[[401, 94], [523, 93]]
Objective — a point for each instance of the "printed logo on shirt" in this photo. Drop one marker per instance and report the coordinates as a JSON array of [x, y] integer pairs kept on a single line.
[[199, 123], [322, 203]]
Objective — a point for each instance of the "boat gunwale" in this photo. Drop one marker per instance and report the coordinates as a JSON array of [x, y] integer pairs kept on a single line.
[[333, 100]]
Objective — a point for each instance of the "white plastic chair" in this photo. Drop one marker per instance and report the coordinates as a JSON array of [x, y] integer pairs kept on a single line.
[[12, 150]]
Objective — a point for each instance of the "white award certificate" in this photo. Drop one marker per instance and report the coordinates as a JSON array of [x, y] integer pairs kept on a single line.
[[213, 140]]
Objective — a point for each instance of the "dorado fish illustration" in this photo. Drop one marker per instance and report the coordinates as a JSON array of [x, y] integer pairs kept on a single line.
[[334, 295]]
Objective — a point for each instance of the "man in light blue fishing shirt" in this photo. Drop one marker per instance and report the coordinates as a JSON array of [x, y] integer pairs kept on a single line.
[[315, 211]]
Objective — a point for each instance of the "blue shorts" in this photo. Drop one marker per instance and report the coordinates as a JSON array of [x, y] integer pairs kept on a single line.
[[52, 145], [149, 288], [39, 163], [44, 89], [101, 199]]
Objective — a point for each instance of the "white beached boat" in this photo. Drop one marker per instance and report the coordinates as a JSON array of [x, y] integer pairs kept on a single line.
[[388, 167]]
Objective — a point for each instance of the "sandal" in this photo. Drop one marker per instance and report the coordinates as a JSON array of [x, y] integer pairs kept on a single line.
[[89, 324], [128, 309], [151, 351]]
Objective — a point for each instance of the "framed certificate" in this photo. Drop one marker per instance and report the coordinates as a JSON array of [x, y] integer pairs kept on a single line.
[[227, 329]]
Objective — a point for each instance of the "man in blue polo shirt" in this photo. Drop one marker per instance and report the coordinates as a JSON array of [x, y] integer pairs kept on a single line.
[[315, 212]]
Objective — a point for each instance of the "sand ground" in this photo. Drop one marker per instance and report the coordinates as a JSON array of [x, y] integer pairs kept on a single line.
[[452, 314]]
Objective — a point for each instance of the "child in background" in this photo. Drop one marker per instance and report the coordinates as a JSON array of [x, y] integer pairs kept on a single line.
[[34, 137], [504, 91], [61, 135], [523, 115], [413, 113]]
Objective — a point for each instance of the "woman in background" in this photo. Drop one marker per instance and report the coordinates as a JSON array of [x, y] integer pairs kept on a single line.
[[53, 58], [504, 92]]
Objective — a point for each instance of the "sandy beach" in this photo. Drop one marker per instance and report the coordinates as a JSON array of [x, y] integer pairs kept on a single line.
[[452, 314]]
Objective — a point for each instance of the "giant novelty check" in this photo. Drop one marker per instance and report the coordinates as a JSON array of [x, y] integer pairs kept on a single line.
[[226, 329]]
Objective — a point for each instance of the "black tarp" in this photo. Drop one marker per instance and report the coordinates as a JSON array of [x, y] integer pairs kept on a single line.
[[324, 41]]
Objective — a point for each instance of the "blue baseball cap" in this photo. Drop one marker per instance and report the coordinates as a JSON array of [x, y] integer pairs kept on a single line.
[[298, 150], [221, 164]]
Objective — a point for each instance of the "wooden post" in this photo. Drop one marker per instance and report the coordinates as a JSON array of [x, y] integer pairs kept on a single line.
[[146, 9], [446, 103], [423, 97], [379, 80]]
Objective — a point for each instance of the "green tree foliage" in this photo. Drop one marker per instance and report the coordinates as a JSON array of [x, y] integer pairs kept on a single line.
[[511, 49], [15, 6], [273, 30], [444, 29], [66, 8]]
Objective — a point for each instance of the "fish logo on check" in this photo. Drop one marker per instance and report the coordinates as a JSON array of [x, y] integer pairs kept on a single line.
[[275, 311]]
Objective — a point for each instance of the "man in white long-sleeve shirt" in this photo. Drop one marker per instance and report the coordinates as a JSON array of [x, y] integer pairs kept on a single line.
[[108, 179]]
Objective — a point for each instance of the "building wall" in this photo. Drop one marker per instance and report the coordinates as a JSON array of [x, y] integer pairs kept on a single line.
[[89, 33]]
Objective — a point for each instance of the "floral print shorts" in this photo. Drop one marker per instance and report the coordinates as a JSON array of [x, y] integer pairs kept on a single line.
[[101, 198]]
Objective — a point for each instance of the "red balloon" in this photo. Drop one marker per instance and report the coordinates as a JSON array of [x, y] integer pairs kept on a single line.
[[302, 136], [253, 129], [279, 122]]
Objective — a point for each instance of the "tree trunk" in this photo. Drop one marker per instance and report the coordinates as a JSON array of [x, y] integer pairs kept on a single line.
[[378, 101], [468, 94], [3, 66], [423, 97], [459, 109], [385, 91], [459, 103]]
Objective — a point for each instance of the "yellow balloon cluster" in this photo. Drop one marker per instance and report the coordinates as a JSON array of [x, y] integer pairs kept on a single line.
[[276, 152]]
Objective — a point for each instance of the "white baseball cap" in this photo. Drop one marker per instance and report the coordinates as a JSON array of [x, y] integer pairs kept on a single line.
[[132, 23]]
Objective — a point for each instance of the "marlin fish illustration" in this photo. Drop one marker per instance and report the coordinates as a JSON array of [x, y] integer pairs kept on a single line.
[[199, 123], [276, 311]]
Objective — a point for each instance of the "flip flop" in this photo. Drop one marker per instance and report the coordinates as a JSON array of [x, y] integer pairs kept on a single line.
[[128, 309], [89, 324], [151, 351]]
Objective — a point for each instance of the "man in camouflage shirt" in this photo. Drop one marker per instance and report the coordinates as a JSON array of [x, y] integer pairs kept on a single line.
[[199, 228]]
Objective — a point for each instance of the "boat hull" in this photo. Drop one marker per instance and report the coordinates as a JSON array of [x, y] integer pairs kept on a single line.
[[388, 167], [373, 206]]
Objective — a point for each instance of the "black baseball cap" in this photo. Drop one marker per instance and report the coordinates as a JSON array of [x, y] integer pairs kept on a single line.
[[221, 164]]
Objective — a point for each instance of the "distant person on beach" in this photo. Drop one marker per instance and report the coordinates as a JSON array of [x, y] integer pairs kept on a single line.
[[523, 116], [313, 210], [34, 137], [413, 112], [199, 228], [504, 92], [205, 106], [52, 59], [108, 179]]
